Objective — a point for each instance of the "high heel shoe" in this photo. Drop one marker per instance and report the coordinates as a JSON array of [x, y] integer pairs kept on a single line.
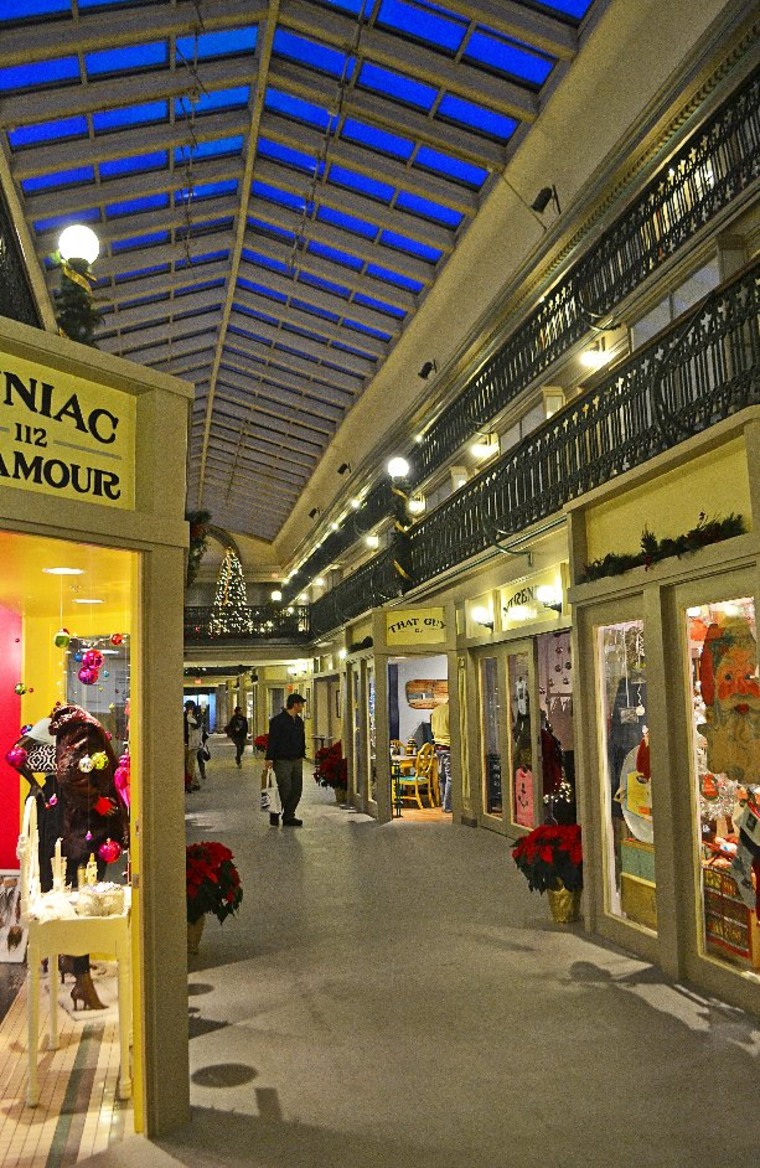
[[84, 991], [65, 965]]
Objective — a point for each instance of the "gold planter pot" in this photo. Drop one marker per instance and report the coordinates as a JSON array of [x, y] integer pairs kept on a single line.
[[194, 934], [564, 905]]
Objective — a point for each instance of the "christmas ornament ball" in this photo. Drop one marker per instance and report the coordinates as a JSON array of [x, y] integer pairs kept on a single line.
[[93, 658], [87, 676], [61, 638], [19, 688], [16, 757], [116, 638], [109, 851]]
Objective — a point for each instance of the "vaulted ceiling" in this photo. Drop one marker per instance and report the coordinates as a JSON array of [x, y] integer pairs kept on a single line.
[[275, 186]]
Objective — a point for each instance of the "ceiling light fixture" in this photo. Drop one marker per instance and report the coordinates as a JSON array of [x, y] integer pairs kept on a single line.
[[64, 571], [344, 466], [275, 594], [315, 511], [428, 368], [544, 197]]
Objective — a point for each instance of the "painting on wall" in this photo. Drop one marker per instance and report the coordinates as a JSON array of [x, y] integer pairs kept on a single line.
[[426, 693]]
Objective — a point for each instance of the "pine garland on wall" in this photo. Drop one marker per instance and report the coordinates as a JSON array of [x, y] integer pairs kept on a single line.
[[230, 613], [653, 550]]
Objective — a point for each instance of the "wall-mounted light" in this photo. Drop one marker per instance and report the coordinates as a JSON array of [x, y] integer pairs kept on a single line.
[[428, 368], [549, 596], [334, 526], [356, 504], [315, 511], [416, 505], [342, 654], [544, 197], [485, 446], [344, 466], [398, 468], [319, 581], [482, 616], [372, 541], [275, 594]]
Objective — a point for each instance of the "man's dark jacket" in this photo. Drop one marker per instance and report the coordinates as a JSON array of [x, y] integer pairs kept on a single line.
[[287, 737]]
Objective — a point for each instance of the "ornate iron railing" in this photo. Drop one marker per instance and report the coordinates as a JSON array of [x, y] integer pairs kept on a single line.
[[704, 369], [16, 300], [714, 166], [249, 624]]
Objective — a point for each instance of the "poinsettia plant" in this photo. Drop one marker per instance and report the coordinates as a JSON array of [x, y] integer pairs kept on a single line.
[[260, 742], [330, 767], [549, 854], [212, 881]]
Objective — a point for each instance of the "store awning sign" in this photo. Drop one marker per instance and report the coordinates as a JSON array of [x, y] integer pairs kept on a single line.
[[64, 436], [415, 626]]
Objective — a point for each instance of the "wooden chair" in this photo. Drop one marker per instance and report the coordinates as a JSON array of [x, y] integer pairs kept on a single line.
[[421, 780]]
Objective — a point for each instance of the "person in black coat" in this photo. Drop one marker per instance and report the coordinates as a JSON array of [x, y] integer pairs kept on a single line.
[[286, 750]]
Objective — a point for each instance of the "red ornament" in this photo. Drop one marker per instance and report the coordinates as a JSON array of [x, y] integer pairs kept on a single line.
[[87, 676], [110, 851], [93, 658], [116, 638], [16, 757]]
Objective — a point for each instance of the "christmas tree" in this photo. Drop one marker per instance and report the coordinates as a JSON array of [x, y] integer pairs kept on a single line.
[[230, 613]]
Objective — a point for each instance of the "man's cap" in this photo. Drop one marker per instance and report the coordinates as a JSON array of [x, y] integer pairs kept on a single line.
[[294, 700]]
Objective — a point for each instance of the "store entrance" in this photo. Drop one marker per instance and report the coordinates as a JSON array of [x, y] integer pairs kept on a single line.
[[419, 739]]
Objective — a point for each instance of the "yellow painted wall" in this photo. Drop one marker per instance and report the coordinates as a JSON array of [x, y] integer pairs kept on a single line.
[[716, 482]]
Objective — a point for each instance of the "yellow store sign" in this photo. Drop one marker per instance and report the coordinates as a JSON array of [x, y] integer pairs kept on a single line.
[[66, 437], [415, 626]]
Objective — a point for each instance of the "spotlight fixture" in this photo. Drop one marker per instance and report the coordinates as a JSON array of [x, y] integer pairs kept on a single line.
[[550, 597], [315, 511], [544, 197], [483, 616], [428, 368], [344, 466]]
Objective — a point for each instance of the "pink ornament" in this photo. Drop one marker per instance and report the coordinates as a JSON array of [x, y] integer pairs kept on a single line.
[[116, 638], [121, 778], [109, 851], [93, 658], [87, 676], [88, 835], [16, 757]]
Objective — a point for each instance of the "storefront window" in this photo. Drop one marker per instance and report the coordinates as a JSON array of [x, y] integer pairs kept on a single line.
[[371, 732], [626, 773], [555, 701], [725, 691], [490, 706], [521, 740]]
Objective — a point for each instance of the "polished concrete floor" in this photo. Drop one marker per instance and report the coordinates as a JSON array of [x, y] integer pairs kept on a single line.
[[393, 996]]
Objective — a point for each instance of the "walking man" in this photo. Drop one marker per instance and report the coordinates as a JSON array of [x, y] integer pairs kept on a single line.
[[286, 750], [237, 730]]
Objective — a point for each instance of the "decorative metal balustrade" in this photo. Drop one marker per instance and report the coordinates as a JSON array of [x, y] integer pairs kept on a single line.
[[247, 624], [704, 369], [712, 169], [16, 300]]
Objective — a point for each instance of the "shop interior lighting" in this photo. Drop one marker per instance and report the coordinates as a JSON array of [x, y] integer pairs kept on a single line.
[[86, 600], [483, 616], [64, 571]]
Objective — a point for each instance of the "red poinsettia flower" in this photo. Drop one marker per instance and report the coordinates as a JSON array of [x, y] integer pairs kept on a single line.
[[212, 881], [549, 854]]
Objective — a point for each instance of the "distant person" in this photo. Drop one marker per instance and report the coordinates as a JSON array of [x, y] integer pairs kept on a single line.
[[204, 754], [237, 730], [193, 731], [286, 750], [439, 726]]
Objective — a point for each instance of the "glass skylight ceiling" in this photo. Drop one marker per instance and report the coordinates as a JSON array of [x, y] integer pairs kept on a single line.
[[271, 253]]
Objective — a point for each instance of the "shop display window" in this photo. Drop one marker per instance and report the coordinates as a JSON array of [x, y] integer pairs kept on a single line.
[[725, 704], [490, 707], [626, 774], [555, 701], [521, 740], [371, 732]]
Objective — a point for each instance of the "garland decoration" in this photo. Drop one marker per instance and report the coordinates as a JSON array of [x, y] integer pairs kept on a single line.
[[75, 312], [199, 523], [653, 550]]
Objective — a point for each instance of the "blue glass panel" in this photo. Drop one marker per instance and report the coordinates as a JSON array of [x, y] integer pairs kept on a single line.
[[401, 243], [354, 352], [376, 140], [425, 209], [293, 352], [296, 331], [368, 332], [451, 168], [234, 98], [64, 178], [506, 57], [435, 26], [131, 115], [574, 8], [208, 258], [225, 221], [229, 43], [237, 331], [397, 87], [216, 148], [270, 229], [151, 240], [309, 53], [275, 195], [103, 3], [261, 290], [156, 298], [347, 222], [48, 132], [296, 108], [379, 305], [135, 165], [322, 313], [396, 278], [126, 59], [138, 273], [324, 285], [135, 206], [287, 156], [202, 287], [19, 9], [477, 118], [32, 76], [207, 191], [335, 256], [254, 257], [383, 192], [58, 222], [355, 7]]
